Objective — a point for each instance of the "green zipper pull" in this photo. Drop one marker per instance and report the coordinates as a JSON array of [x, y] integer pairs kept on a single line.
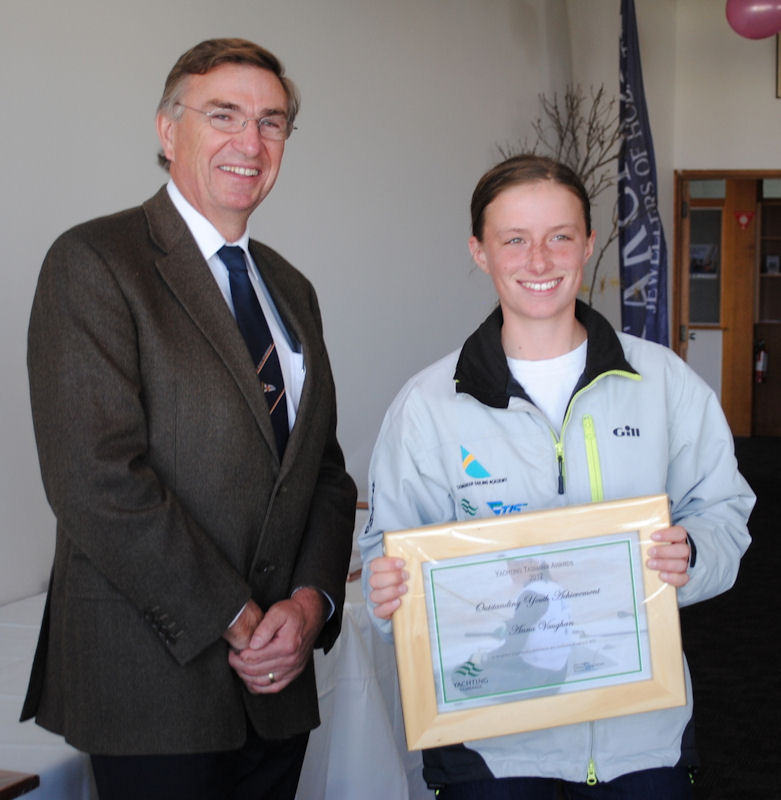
[[591, 778]]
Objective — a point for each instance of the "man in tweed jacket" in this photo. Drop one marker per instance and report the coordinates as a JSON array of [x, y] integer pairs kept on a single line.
[[196, 567]]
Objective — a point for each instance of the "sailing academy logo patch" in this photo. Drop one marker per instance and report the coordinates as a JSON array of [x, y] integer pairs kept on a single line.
[[472, 466], [479, 475]]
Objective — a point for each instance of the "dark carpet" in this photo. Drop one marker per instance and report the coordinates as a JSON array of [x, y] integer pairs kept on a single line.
[[733, 644]]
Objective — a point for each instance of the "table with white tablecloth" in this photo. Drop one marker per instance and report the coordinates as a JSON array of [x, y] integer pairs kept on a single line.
[[357, 752], [24, 746]]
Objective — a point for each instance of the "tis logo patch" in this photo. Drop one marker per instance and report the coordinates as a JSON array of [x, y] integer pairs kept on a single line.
[[499, 508]]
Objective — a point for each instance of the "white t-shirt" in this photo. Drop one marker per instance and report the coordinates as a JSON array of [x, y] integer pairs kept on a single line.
[[550, 381]]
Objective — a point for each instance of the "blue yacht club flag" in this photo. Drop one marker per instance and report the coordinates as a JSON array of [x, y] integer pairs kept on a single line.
[[641, 246]]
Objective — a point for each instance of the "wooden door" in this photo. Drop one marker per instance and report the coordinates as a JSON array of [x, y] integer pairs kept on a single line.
[[714, 279]]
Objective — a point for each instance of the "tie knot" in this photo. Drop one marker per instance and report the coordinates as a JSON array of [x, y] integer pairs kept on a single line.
[[232, 257]]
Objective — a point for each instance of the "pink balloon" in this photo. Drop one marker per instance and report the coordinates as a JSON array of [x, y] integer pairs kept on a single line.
[[754, 19]]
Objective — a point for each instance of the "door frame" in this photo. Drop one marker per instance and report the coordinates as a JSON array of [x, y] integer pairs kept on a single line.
[[738, 293]]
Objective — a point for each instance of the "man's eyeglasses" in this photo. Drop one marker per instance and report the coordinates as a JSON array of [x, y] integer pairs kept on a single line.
[[274, 126]]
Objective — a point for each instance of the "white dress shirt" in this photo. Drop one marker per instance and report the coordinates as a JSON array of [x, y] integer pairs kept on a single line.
[[209, 241]]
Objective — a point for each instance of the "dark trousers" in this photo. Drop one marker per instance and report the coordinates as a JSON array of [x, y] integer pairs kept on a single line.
[[669, 783], [261, 770]]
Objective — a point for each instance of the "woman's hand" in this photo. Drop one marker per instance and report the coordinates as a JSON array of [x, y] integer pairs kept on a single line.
[[387, 579], [671, 558]]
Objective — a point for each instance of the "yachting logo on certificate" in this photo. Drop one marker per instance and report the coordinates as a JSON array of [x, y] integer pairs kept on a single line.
[[537, 621]]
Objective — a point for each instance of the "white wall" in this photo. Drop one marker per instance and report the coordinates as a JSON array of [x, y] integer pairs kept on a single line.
[[404, 106], [725, 109]]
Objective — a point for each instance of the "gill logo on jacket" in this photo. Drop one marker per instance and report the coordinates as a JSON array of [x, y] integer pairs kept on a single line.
[[627, 430]]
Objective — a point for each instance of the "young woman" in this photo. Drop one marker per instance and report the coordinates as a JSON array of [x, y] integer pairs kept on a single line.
[[555, 408]]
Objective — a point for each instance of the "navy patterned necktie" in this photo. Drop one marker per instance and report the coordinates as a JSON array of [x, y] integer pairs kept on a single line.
[[254, 328]]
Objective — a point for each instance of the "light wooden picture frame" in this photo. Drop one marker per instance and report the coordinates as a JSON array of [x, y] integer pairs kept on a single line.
[[427, 725]]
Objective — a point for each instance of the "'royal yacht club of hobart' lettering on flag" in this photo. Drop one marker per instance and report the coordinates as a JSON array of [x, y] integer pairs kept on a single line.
[[642, 250]]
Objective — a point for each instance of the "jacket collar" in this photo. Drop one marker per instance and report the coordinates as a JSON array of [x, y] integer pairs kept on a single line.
[[482, 369]]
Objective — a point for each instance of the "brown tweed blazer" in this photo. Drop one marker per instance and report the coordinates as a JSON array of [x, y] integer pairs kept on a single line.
[[158, 459]]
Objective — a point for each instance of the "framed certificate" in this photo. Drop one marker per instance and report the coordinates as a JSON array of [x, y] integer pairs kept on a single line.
[[534, 620]]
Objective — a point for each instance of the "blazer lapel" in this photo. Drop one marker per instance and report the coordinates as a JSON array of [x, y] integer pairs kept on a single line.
[[187, 274]]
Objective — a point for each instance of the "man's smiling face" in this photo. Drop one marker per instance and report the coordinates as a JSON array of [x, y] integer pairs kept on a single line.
[[224, 176]]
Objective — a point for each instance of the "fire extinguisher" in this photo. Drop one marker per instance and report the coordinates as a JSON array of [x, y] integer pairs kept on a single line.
[[760, 362]]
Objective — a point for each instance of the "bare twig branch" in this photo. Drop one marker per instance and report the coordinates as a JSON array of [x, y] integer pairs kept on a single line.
[[584, 132]]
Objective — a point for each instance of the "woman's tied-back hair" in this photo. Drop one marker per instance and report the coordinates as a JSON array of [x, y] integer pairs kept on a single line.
[[517, 171]]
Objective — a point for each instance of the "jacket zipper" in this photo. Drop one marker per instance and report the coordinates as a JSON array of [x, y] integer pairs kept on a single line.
[[591, 771], [597, 495], [591, 440], [592, 457], [560, 461]]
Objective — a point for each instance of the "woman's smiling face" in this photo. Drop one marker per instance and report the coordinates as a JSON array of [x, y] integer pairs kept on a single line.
[[534, 246]]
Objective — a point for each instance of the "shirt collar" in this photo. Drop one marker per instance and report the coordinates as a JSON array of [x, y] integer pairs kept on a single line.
[[207, 237]]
